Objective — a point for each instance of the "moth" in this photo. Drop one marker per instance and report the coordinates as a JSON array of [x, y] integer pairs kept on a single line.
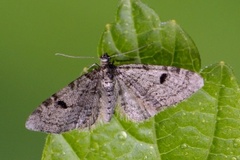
[[140, 91]]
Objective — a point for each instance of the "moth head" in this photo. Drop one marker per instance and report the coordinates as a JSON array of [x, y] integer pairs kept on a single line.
[[105, 59]]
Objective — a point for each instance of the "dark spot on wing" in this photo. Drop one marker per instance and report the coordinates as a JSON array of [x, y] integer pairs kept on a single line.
[[125, 67], [62, 104], [55, 97], [145, 67], [71, 85], [178, 70], [47, 102], [175, 69], [163, 78], [37, 111]]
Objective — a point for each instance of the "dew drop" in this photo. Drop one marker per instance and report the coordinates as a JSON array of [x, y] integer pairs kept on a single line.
[[122, 136], [184, 145], [236, 143]]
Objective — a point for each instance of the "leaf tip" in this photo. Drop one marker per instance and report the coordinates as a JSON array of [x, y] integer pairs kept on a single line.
[[173, 21], [222, 63], [108, 26]]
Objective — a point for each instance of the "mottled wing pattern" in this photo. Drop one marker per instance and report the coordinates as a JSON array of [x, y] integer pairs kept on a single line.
[[143, 91], [75, 106], [147, 89]]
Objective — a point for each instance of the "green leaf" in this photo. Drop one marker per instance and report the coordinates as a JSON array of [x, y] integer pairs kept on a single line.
[[221, 85], [139, 31], [205, 126]]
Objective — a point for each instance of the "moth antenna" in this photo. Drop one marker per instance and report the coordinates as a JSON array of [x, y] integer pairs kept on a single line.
[[137, 49], [69, 56]]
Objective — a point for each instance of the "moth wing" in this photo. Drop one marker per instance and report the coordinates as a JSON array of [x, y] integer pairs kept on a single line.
[[147, 89], [75, 106]]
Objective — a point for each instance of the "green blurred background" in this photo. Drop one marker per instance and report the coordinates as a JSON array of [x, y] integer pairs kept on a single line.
[[32, 31]]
